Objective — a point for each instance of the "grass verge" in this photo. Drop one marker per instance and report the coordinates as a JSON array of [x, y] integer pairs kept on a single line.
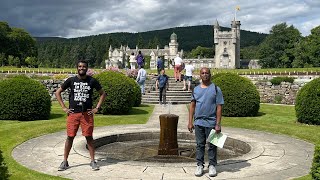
[[13, 133], [277, 119]]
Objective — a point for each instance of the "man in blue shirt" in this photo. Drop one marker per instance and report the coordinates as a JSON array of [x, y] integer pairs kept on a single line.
[[205, 115], [159, 65], [163, 84]]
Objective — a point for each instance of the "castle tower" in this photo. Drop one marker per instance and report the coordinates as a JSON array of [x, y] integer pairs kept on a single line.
[[216, 29], [227, 46], [173, 46]]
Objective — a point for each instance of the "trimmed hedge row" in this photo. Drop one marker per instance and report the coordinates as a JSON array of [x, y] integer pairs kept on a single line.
[[24, 99], [278, 80], [308, 103], [4, 173], [122, 93], [241, 97], [315, 169]]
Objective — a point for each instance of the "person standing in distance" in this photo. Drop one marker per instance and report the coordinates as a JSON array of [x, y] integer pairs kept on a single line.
[[162, 83], [188, 77], [80, 111], [141, 78], [204, 115], [160, 65], [140, 59], [177, 69], [132, 61]]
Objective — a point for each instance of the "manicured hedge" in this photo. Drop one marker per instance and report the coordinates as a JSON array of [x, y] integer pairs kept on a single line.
[[278, 80], [240, 95], [4, 173], [121, 92], [315, 169], [136, 92], [24, 99], [308, 103]]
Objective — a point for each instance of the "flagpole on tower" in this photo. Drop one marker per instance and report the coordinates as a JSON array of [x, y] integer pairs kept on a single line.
[[235, 12]]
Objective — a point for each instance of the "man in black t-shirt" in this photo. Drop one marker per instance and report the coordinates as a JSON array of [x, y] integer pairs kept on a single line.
[[80, 111]]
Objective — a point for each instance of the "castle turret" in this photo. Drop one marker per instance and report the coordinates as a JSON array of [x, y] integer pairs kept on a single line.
[[234, 31], [173, 45], [216, 29]]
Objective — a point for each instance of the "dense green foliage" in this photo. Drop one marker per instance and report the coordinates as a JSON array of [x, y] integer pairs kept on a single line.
[[307, 103], [120, 92], [285, 47], [18, 44], [61, 52], [203, 52], [277, 50], [241, 98], [307, 52], [4, 174], [24, 99], [315, 169], [279, 79]]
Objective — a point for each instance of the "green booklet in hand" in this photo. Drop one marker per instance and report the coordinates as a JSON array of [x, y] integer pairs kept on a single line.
[[217, 139]]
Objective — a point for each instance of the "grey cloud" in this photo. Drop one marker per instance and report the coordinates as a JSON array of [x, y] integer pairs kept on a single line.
[[74, 18]]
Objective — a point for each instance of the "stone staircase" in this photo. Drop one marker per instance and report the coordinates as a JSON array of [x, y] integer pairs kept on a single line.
[[175, 95]]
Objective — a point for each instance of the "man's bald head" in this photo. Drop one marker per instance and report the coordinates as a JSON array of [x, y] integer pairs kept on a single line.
[[205, 69]]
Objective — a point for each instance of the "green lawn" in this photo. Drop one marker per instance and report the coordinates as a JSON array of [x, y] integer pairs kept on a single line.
[[13, 133], [277, 119]]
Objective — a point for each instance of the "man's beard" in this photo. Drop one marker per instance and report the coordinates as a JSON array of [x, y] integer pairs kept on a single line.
[[82, 72]]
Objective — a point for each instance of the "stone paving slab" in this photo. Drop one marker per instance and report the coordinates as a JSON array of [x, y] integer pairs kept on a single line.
[[271, 157]]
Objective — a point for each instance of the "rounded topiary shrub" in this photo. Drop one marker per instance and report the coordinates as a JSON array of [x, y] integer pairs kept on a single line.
[[24, 99], [120, 92], [136, 92], [307, 103], [241, 98], [4, 174]]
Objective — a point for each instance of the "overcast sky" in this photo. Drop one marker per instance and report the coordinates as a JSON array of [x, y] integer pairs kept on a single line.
[[74, 18]]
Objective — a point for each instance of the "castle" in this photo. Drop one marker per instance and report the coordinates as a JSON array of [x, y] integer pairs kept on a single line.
[[227, 51], [119, 56]]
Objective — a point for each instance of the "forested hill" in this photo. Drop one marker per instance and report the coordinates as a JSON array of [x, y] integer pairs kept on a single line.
[[188, 37], [62, 52]]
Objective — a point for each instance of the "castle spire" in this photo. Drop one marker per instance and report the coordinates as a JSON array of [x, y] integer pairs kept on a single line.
[[217, 24]]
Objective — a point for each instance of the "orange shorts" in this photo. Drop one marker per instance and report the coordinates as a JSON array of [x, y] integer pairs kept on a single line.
[[76, 119]]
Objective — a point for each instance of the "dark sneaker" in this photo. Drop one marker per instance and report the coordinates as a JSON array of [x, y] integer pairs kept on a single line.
[[94, 166], [63, 166]]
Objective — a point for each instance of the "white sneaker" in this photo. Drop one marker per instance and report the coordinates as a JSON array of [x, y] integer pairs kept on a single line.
[[212, 171], [199, 171]]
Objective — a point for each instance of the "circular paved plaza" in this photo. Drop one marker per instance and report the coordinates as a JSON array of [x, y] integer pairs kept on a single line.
[[271, 156]]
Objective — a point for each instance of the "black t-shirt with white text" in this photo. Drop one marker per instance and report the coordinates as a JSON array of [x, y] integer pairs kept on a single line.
[[80, 97]]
